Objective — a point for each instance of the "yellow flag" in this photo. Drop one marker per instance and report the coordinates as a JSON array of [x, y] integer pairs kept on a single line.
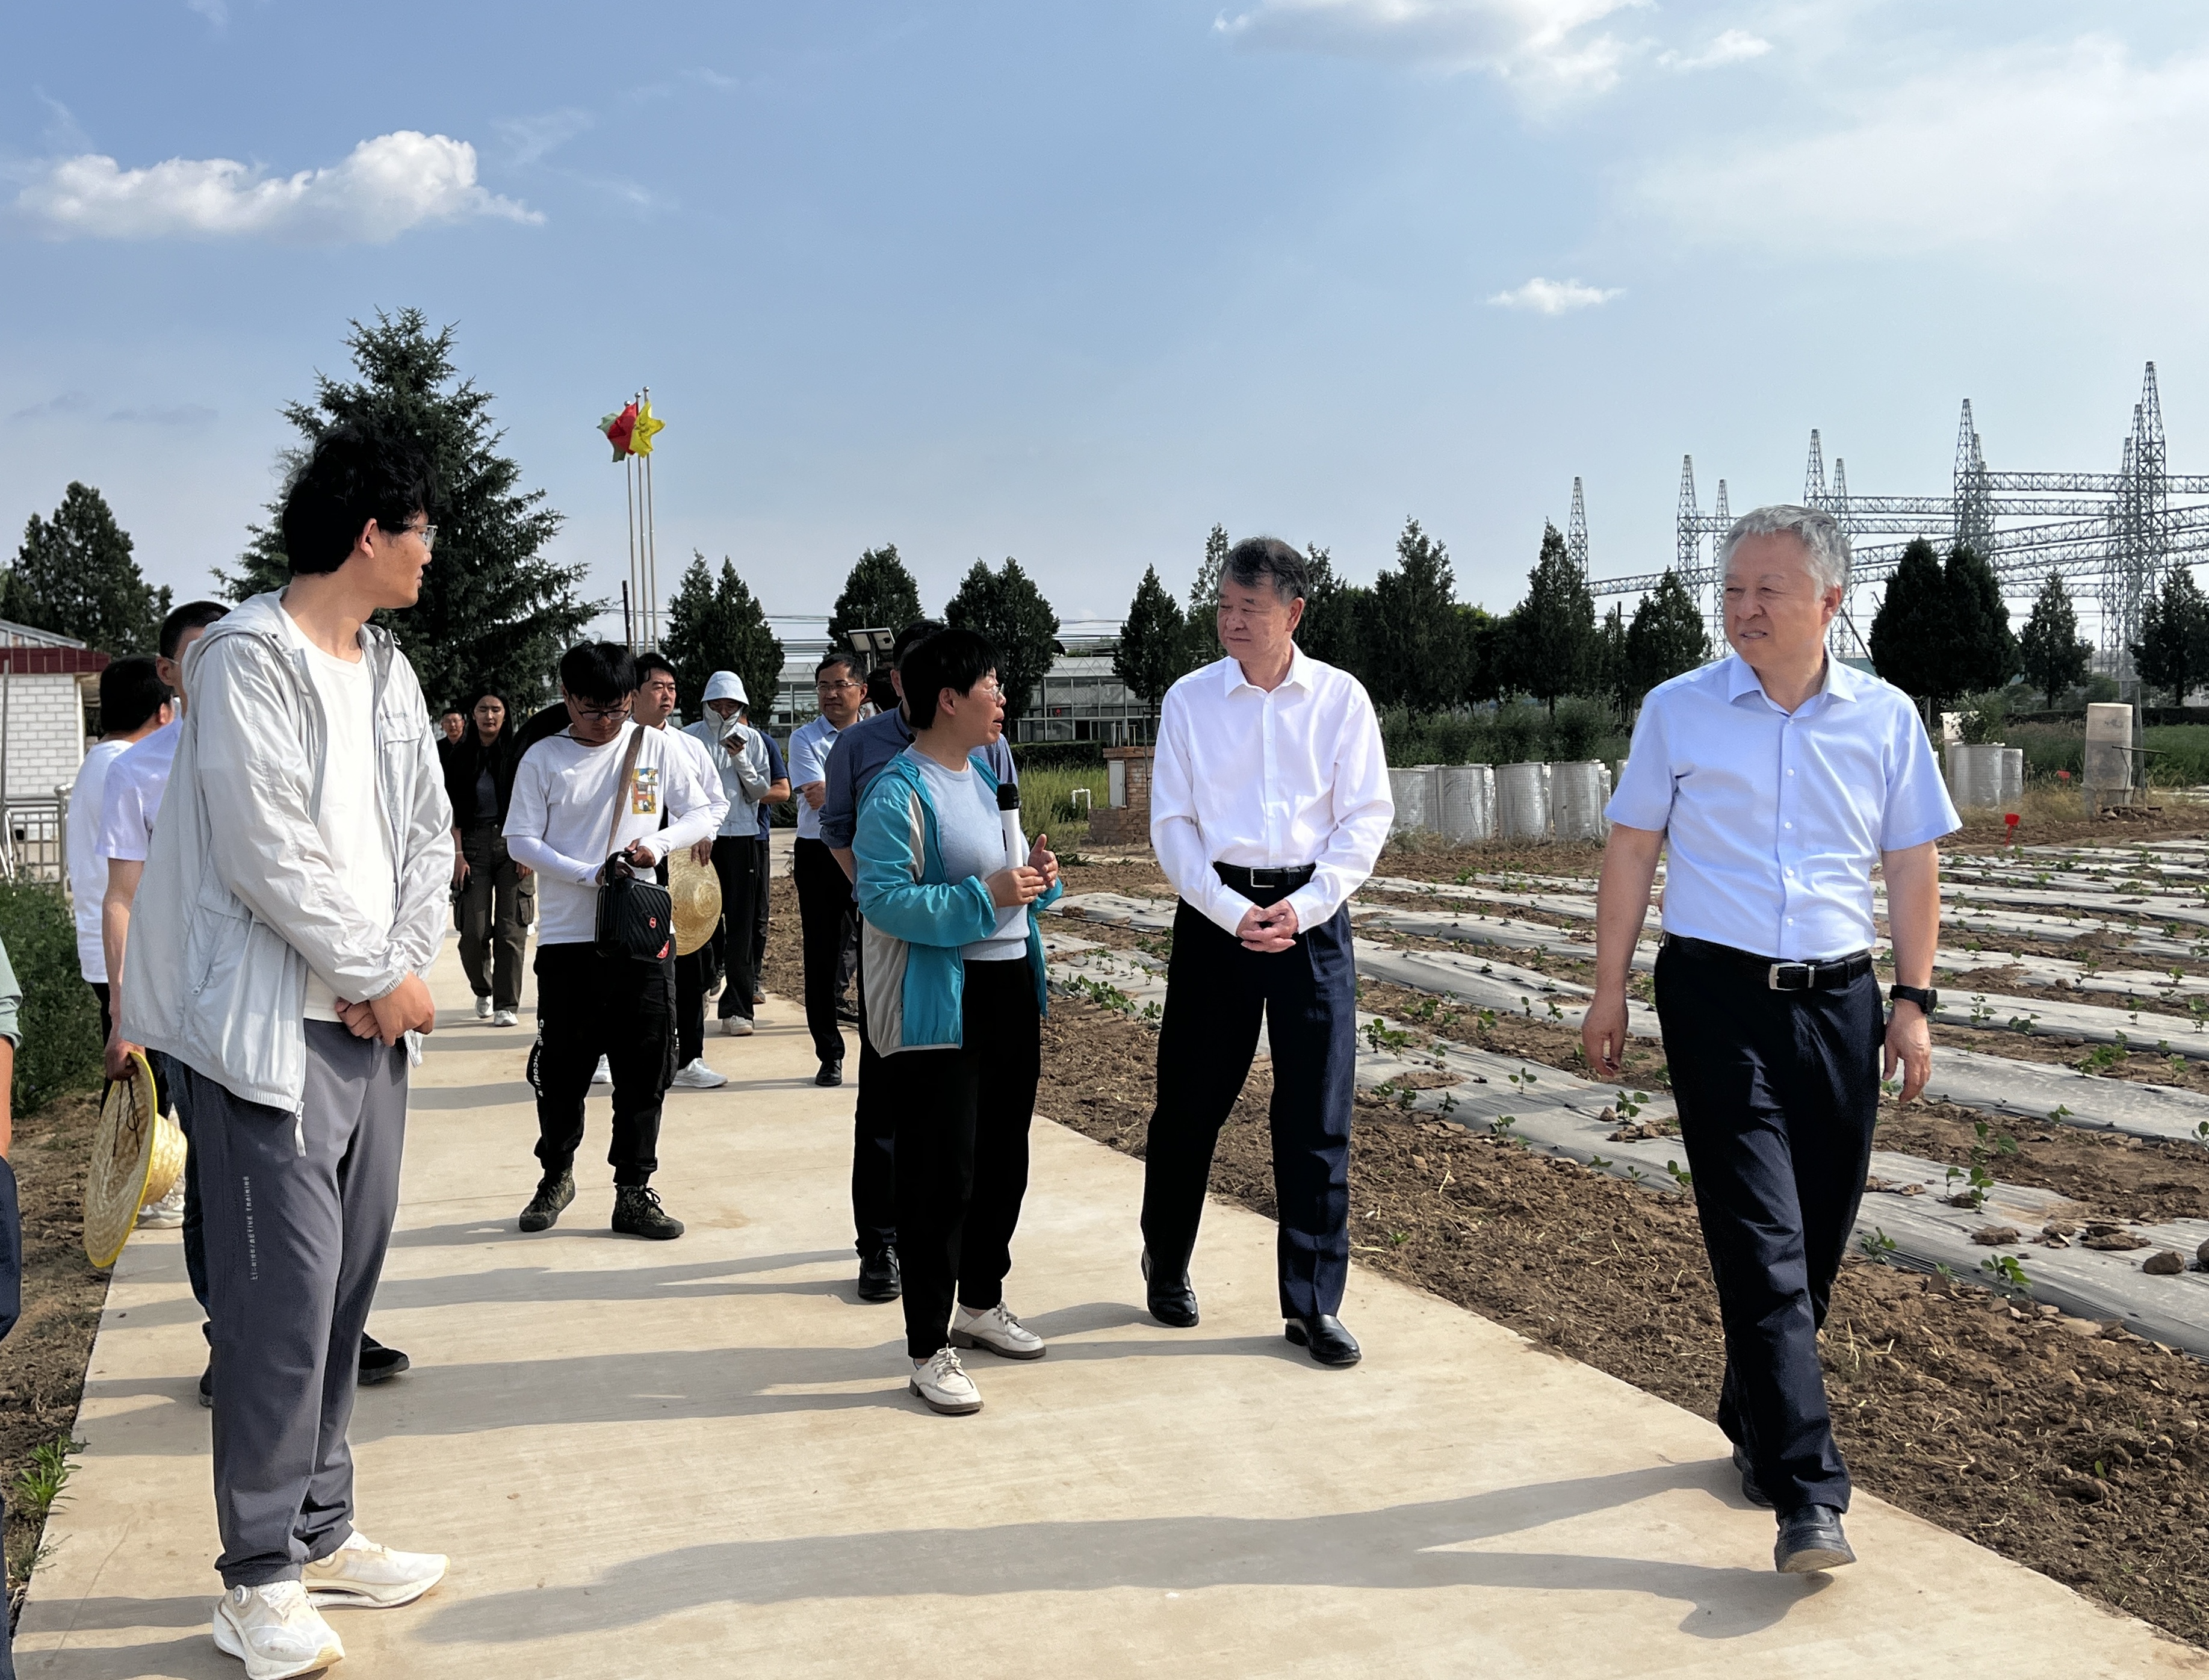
[[641, 434]]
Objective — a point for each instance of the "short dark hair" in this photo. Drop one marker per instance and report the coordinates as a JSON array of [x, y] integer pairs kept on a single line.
[[599, 671], [191, 615], [1271, 559], [650, 661], [955, 660], [844, 659], [357, 470], [910, 638], [130, 692]]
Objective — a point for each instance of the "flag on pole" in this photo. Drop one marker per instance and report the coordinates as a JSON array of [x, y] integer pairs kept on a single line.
[[644, 429], [620, 427]]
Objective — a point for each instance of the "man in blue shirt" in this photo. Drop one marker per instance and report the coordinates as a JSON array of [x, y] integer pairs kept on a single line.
[[1776, 780], [857, 759], [827, 911]]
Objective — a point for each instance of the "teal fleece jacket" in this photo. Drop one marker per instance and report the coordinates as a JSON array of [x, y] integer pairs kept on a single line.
[[918, 919]]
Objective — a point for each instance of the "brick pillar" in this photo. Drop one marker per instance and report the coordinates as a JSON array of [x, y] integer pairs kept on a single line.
[[1128, 823]]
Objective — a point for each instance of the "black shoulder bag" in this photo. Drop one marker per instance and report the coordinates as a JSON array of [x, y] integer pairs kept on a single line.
[[636, 917]]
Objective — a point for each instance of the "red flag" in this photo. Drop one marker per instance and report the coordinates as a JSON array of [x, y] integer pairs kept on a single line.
[[618, 429]]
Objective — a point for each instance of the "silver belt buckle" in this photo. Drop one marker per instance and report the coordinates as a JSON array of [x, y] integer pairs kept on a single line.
[[1810, 976]]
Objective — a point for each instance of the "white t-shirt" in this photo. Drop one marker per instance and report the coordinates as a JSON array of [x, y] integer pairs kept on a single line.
[[970, 832], [351, 817], [135, 783], [88, 863], [560, 820]]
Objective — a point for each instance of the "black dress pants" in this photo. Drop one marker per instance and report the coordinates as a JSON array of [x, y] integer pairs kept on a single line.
[[589, 1006], [828, 916], [1776, 1093], [737, 861], [874, 1146], [1216, 993], [495, 907], [962, 1151]]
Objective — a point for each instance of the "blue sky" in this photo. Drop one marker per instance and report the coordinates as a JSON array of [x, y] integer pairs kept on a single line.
[[1071, 282]]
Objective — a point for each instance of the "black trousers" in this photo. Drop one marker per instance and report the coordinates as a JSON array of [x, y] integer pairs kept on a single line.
[[737, 861], [828, 917], [1776, 1093], [691, 983], [760, 905], [496, 906], [589, 1006], [1216, 992], [962, 1151], [874, 1145]]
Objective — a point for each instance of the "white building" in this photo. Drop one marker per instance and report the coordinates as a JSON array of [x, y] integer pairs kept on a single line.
[[46, 682]]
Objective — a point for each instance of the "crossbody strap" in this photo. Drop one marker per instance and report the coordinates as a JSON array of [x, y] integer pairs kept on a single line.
[[621, 787]]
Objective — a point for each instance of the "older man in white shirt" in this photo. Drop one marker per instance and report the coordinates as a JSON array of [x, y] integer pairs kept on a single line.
[[1777, 779], [1269, 803]]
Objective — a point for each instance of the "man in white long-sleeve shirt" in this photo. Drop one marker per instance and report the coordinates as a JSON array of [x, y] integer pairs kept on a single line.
[[1269, 803], [572, 811]]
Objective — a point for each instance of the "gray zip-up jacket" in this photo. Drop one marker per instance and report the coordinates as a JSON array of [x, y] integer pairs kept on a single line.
[[240, 895]]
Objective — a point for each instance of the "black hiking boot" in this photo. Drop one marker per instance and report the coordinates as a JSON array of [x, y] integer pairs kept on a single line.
[[553, 1194], [637, 1212]]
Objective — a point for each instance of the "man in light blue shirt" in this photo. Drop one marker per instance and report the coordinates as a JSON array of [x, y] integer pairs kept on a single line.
[[1775, 780], [827, 911]]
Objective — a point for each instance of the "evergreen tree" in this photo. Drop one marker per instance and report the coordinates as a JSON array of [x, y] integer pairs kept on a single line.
[[1666, 639], [1007, 607], [74, 575], [1911, 645], [2055, 658], [2173, 651], [493, 609], [879, 594], [1202, 618], [1148, 658], [1984, 655], [1332, 629], [1553, 630], [1414, 651], [1615, 668], [1491, 657], [718, 624]]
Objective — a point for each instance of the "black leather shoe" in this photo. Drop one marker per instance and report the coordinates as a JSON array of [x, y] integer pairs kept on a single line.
[[207, 1384], [1171, 1300], [832, 1073], [379, 1363], [1330, 1344], [1750, 1490], [1810, 1539], [878, 1277]]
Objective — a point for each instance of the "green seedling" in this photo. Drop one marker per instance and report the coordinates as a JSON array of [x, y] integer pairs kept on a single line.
[[1627, 1107], [1981, 1015], [2059, 1114], [1502, 1123], [40, 1485], [1680, 1176], [1878, 1245], [2099, 1058], [2008, 1273], [1382, 1037], [1597, 1161]]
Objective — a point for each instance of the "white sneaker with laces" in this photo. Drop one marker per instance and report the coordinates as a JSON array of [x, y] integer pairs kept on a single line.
[[942, 1382], [168, 1213], [737, 1026], [996, 1330], [274, 1631], [361, 1572], [483, 1009], [505, 1018], [696, 1076], [604, 1075]]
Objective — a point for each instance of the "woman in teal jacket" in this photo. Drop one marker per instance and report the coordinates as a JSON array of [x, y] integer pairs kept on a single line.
[[955, 998]]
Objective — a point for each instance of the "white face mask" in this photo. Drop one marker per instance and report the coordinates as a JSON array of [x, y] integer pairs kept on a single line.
[[730, 725]]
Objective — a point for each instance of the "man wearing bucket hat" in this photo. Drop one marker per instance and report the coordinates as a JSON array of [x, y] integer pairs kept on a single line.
[[655, 703], [740, 760]]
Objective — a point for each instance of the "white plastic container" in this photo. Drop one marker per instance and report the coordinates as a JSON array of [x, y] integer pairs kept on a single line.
[[1415, 790], [1467, 810], [1577, 797], [1522, 802], [1975, 775]]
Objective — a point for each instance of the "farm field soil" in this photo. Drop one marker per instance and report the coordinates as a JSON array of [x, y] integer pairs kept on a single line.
[[2075, 1451]]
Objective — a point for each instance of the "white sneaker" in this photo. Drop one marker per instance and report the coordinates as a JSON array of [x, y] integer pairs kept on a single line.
[[943, 1383], [361, 1572], [168, 1213], [505, 1018], [998, 1331], [274, 1631], [483, 1009], [696, 1076], [605, 1075], [737, 1026]]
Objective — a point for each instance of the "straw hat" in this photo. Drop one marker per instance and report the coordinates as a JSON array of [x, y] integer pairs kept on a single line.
[[697, 890], [137, 1154]]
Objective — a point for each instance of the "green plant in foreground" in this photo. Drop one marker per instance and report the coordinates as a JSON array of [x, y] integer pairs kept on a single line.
[[2007, 1273], [1680, 1176], [40, 1485]]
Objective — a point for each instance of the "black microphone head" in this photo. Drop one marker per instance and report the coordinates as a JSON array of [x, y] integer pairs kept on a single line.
[[1008, 796]]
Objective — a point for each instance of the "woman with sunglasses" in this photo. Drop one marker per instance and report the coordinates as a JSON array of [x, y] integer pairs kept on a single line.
[[948, 889]]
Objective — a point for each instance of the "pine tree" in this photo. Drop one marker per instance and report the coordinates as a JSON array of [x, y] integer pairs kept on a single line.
[[1911, 645], [1414, 650], [1201, 621], [2055, 659], [493, 610], [1554, 628], [1986, 653], [1614, 680], [74, 575], [718, 624], [1332, 629], [1148, 658], [2173, 651], [879, 594], [1666, 638], [1006, 607]]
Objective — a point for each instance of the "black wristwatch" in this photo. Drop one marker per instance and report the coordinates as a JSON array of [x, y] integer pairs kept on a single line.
[[1925, 997]]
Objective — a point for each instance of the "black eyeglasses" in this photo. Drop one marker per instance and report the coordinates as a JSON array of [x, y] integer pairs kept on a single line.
[[600, 713]]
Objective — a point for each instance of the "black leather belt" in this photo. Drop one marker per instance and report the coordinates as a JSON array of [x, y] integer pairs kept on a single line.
[[1778, 975], [1263, 881]]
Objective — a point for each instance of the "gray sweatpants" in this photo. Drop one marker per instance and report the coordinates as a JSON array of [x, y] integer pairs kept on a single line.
[[298, 1211]]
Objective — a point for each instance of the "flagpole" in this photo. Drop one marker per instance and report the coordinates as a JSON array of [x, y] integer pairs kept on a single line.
[[651, 549], [628, 588]]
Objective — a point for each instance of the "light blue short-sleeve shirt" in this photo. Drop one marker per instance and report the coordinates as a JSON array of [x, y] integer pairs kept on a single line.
[[1772, 819]]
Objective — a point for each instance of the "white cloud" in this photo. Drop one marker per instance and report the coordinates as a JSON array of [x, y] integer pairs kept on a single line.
[[1542, 43], [386, 186], [1549, 297], [216, 12], [1734, 46], [2002, 149], [529, 139]]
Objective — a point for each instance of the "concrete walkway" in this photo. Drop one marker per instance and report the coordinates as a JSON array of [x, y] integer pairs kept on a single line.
[[699, 1458]]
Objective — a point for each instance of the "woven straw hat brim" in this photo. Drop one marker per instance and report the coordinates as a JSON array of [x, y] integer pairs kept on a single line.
[[696, 888], [123, 1150]]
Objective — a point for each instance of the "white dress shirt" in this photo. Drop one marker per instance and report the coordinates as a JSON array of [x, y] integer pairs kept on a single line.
[[88, 863], [1269, 781], [1773, 820]]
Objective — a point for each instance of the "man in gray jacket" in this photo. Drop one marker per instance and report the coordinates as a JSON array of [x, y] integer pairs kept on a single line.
[[294, 895]]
